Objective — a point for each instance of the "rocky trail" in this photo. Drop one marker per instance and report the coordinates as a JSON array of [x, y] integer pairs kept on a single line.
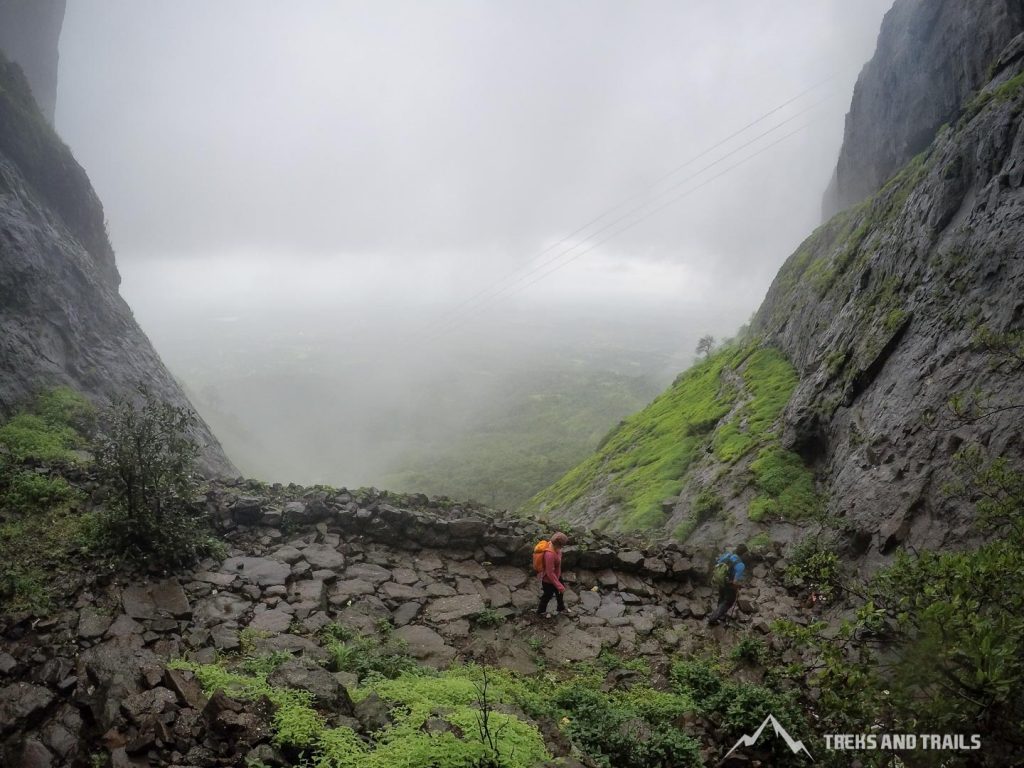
[[454, 584]]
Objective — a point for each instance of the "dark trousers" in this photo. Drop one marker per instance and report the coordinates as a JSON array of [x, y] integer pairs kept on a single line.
[[547, 592], [726, 597]]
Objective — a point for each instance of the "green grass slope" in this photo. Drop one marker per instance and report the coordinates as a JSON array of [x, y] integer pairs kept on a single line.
[[720, 411]]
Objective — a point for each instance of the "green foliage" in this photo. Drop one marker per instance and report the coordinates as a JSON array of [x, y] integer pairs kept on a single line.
[[145, 458], [30, 437], [40, 528], [760, 543], [706, 505], [28, 491], [699, 678], [749, 649], [489, 618], [835, 361], [50, 429], [371, 657], [618, 736], [770, 380], [786, 487], [67, 407], [541, 424], [339, 632], [814, 564], [296, 723], [894, 319], [646, 459]]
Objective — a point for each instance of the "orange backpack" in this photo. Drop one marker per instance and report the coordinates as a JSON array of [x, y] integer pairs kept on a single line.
[[538, 555]]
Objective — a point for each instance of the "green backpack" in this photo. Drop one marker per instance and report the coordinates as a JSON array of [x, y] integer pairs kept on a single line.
[[720, 575]]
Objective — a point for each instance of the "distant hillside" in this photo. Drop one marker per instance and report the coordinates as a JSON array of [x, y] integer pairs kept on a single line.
[[543, 423]]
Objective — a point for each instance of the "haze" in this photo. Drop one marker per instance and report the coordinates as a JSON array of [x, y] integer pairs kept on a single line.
[[316, 206]]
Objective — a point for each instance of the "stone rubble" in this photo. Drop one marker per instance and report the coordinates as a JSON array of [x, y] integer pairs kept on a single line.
[[454, 583]]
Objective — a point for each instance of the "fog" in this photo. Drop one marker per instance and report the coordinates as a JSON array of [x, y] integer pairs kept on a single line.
[[320, 208]]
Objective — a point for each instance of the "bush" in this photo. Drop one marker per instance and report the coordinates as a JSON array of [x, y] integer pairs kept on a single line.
[[368, 657], [145, 459], [616, 735], [31, 491], [489, 617], [750, 650], [50, 429], [814, 564]]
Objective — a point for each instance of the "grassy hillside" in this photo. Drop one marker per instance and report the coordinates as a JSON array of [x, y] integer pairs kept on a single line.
[[544, 423], [720, 411]]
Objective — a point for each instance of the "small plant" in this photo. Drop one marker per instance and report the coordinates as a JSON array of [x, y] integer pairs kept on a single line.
[[31, 491], [370, 658], [760, 544], [49, 430], [750, 650], [339, 632], [489, 617], [814, 564]]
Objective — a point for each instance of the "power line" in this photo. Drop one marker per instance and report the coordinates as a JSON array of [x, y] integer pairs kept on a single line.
[[456, 310], [454, 322]]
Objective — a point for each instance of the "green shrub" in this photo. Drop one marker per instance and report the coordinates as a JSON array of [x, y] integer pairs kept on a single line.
[[50, 429], [489, 618], [618, 736], [369, 657], [750, 650], [760, 544], [786, 485], [145, 458], [697, 678], [31, 491], [30, 437], [814, 564], [63, 406]]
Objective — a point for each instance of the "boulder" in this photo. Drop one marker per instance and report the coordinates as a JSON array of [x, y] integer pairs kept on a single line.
[[21, 704], [307, 675], [151, 601], [373, 713], [426, 645], [271, 621], [220, 608], [92, 623], [323, 556], [573, 644], [446, 609], [263, 571]]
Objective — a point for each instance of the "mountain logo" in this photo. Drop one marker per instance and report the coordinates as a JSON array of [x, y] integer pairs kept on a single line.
[[749, 741]]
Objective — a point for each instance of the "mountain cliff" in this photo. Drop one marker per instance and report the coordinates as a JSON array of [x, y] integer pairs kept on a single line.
[[932, 56], [29, 33], [836, 402], [62, 320]]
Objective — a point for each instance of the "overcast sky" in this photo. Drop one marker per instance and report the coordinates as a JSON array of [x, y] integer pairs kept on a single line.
[[248, 148]]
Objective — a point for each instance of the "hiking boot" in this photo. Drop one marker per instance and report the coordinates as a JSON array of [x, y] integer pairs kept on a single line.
[[567, 612]]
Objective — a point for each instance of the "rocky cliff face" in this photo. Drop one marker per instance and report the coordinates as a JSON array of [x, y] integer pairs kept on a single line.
[[882, 309], [29, 33], [62, 320], [882, 316], [932, 56]]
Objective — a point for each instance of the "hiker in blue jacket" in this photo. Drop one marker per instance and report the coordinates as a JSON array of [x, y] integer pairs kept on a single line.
[[729, 568]]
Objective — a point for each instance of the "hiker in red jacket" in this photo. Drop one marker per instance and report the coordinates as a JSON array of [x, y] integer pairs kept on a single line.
[[548, 564]]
